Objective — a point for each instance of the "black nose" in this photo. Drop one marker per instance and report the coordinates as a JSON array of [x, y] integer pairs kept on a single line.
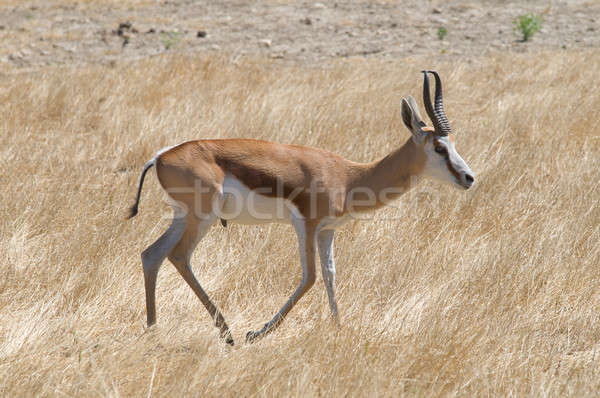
[[469, 179]]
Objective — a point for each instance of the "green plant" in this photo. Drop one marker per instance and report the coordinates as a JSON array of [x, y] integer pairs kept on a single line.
[[528, 25], [170, 39], [442, 32]]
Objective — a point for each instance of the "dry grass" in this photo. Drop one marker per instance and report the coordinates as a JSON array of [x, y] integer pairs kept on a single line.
[[488, 292]]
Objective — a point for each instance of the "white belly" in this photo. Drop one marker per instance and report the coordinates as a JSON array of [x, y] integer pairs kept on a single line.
[[244, 206]]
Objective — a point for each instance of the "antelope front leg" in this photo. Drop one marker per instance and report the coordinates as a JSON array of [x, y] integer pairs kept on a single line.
[[306, 242], [325, 239]]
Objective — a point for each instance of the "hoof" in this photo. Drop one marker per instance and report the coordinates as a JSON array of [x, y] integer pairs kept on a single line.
[[227, 336], [250, 336]]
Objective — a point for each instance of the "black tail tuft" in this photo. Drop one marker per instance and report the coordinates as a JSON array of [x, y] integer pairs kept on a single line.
[[133, 210]]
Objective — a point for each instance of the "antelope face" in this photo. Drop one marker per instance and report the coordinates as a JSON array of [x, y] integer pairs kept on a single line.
[[442, 162]]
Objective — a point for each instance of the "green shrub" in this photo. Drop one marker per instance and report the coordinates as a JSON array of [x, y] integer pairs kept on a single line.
[[442, 32], [170, 39], [528, 25]]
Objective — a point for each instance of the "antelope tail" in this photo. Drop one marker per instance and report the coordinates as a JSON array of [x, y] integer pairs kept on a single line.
[[133, 210]]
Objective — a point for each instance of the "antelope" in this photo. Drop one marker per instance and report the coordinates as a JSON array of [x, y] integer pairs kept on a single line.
[[250, 181]]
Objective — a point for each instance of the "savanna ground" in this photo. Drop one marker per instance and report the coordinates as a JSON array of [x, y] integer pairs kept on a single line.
[[488, 292]]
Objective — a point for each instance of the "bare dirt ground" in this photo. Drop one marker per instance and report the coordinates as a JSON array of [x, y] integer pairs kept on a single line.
[[39, 33]]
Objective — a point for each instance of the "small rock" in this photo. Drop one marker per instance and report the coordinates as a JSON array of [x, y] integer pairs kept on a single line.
[[319, 5], [436, 11], [151, 30], [63, 47], [306, 21], [394, 25], [125, 25], [265, 42], [201, 34]]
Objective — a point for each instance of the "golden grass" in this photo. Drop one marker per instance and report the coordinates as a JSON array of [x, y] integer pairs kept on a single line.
[[488, 292]]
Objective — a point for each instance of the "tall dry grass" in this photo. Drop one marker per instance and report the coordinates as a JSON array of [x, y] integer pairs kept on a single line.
[[489, 292]]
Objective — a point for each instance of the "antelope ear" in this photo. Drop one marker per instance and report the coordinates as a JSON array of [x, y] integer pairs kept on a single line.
[[406, 114], [412, 119], [415, 109]]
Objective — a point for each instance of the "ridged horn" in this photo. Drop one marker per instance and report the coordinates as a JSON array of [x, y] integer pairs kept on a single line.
[[438, 109], [427, 97], [436, 114]]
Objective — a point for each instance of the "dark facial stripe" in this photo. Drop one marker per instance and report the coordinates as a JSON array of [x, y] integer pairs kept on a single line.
[[449, 164], [451, 168]]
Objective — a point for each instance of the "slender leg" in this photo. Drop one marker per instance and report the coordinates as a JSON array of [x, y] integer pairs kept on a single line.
[[325, 240], [306, 243], [180, 257], [153, 257]]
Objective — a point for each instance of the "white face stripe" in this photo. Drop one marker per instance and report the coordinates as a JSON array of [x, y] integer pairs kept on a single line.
[[437, 165]]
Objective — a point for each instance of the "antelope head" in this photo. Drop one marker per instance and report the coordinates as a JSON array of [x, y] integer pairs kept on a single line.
[[442, 161]]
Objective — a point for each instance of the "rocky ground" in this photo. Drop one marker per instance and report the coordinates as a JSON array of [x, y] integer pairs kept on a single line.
[[37, 33]]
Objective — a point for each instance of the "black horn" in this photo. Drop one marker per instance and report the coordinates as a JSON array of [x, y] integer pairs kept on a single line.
[[438, 109], [436, 114], [427, 97]]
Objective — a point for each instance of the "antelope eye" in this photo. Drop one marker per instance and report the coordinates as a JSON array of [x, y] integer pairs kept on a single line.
[[441, 150]]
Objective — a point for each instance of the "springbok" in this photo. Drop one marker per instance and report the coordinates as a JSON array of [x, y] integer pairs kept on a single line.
[[251, 182]]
